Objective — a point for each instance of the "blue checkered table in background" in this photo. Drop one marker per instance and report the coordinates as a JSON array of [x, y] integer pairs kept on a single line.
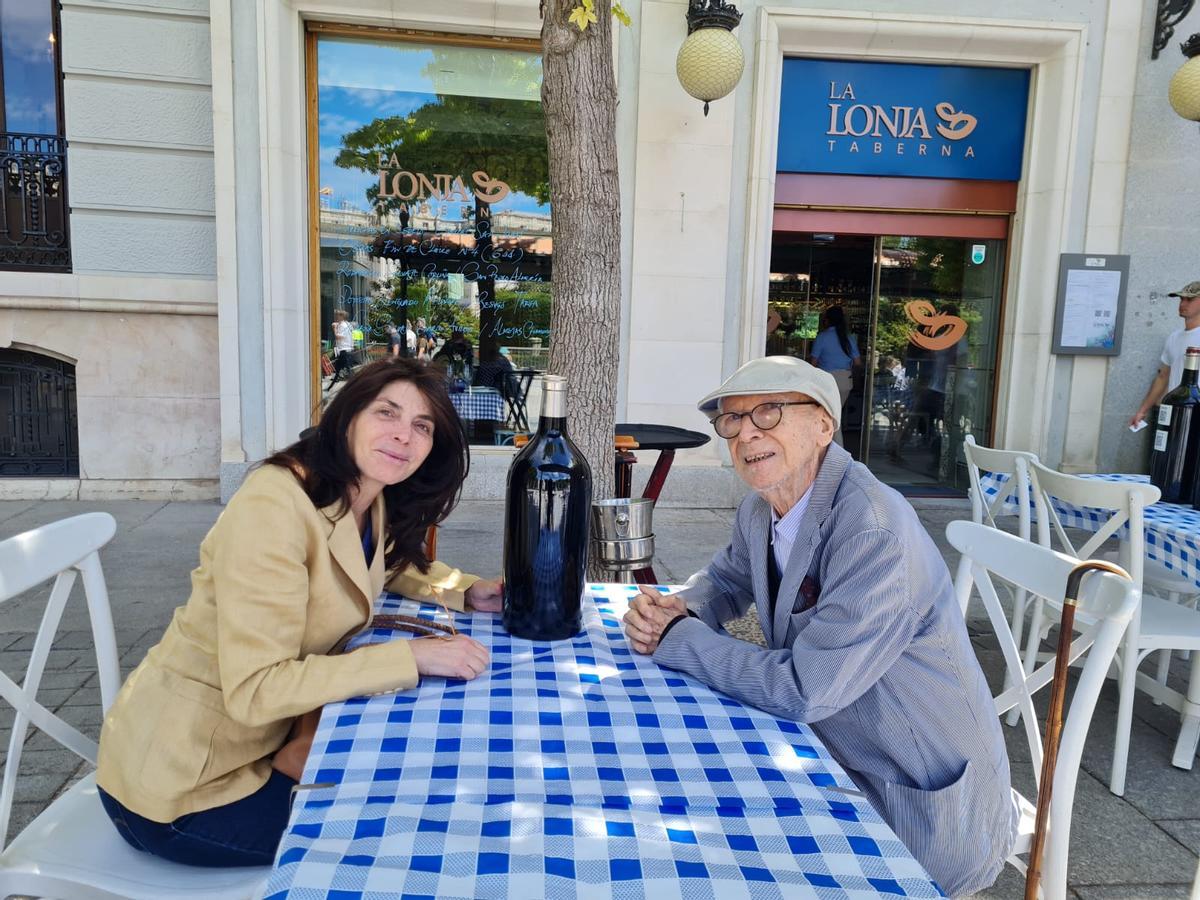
[[479, 403], [577, 769], [1172, 529]]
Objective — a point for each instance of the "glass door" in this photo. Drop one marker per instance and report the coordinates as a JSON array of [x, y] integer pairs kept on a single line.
[[815, 279], [932, 357]]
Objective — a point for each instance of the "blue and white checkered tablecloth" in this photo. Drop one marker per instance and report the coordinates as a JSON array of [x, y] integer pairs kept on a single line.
[[577, 769], [479, 403], [1172, 529]]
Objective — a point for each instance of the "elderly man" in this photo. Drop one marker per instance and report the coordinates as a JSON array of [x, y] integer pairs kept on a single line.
[[865, 640]]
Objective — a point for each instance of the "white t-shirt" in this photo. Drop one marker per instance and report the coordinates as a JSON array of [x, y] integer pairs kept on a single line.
[[1177, 343], [343, 336]]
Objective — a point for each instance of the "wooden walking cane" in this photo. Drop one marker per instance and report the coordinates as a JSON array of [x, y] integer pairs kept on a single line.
[[1054, 716]]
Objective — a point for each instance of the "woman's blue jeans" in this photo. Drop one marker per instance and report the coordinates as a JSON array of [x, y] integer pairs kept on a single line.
[[245, 832]]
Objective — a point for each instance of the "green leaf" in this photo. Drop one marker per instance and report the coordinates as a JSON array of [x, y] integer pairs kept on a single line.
[[583, 16], [621, 16]]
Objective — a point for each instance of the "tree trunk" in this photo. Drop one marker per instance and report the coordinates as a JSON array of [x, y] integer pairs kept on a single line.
[[579, 102]]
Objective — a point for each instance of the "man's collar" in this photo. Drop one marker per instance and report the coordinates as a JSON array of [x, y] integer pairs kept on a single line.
[[825, 485], [788, 519]]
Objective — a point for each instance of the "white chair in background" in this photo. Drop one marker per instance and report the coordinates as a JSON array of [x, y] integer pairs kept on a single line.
[[1106, 606], [1158, 624], [72, 849]]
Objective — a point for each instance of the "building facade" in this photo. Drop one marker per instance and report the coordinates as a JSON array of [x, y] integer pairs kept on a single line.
[[254, 195]]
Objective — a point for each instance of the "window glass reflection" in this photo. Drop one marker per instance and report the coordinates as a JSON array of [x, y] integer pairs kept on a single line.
[[434, 215], [27, 46]]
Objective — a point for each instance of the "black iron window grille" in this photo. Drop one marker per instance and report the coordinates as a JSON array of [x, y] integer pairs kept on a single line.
[[33, 205], [39, 428]]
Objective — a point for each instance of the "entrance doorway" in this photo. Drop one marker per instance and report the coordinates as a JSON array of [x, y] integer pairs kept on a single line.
[[923, 315]]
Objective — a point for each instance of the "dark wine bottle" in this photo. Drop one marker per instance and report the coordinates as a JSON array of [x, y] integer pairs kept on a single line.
[[1173, 457], [546, 520]]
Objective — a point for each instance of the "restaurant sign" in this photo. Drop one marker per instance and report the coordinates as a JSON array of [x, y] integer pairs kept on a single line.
[[874, 118]]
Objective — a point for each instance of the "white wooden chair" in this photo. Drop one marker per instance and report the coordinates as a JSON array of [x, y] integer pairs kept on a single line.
[[1016, 490], [72, 849], [1157, 625], [1106, 605]]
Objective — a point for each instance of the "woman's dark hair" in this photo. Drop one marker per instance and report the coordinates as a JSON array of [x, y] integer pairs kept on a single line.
[[321, 460], [836, 318]]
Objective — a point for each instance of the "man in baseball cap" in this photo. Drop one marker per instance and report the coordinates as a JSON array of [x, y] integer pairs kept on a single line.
[[1170, 369], [865, 639]]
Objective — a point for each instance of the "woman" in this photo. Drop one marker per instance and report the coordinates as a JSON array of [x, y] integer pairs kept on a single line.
[[836, 351], [196, 761]]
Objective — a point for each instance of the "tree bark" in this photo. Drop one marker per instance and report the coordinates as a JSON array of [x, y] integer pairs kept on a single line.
[[579, 101]]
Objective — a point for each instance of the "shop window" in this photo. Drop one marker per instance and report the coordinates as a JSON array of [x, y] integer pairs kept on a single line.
[[33, 152], [432, 204], [39, 429]]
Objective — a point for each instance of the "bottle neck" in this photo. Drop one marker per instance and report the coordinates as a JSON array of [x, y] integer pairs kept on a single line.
[[1189, 376], [551, 423]]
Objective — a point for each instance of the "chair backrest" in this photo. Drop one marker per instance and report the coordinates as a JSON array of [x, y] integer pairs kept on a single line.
[[1106, 605], [1016, 488], [1111, 509], [59, 550]]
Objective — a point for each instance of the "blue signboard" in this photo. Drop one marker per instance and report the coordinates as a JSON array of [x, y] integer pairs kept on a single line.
[[875, 118]]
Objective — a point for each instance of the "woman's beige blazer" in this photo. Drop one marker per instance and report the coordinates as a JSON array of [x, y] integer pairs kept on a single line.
[[280, 584]]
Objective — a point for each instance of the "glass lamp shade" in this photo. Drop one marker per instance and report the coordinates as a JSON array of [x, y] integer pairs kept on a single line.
[[1184, 92], [709, 64]]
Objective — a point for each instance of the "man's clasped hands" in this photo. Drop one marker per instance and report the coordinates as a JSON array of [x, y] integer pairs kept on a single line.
[[649, 615]]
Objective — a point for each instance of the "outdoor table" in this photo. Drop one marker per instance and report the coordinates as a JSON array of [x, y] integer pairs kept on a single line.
[[1172, 529], [479, 403], [1172, 532], [576, 769], [664, 438]]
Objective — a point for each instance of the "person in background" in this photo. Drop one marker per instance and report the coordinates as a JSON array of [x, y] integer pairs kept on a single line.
[[343, 345], [458, 354], [208, 736], [836, 351], [865, 641], [1170, 370], [394, 340], [492, 373]]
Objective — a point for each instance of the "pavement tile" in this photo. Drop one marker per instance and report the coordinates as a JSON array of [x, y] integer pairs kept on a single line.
[[1186, 831], [1114, 843], [48, 762], [85, 696], [1134, 892]]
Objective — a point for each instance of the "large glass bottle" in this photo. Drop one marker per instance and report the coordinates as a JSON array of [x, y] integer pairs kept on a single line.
[[1173, 457], [546, 520]]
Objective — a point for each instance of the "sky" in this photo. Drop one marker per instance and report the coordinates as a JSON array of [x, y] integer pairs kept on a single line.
[[359, 81]]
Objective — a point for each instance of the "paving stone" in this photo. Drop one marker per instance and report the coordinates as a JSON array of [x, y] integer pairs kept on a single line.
[[22, 814], [1113, 843], [68, 678], [85, 696], [1134, 892], [48, 762], [1186, 831]]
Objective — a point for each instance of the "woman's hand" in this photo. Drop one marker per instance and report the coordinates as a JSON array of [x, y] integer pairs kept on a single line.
[[291, 757], [452, 657], [486, 596]]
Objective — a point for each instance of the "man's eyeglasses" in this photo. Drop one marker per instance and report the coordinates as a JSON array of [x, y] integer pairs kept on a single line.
[[765, 416]]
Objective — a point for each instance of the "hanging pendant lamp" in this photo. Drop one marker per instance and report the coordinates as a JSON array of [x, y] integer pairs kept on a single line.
[[710, 62]]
